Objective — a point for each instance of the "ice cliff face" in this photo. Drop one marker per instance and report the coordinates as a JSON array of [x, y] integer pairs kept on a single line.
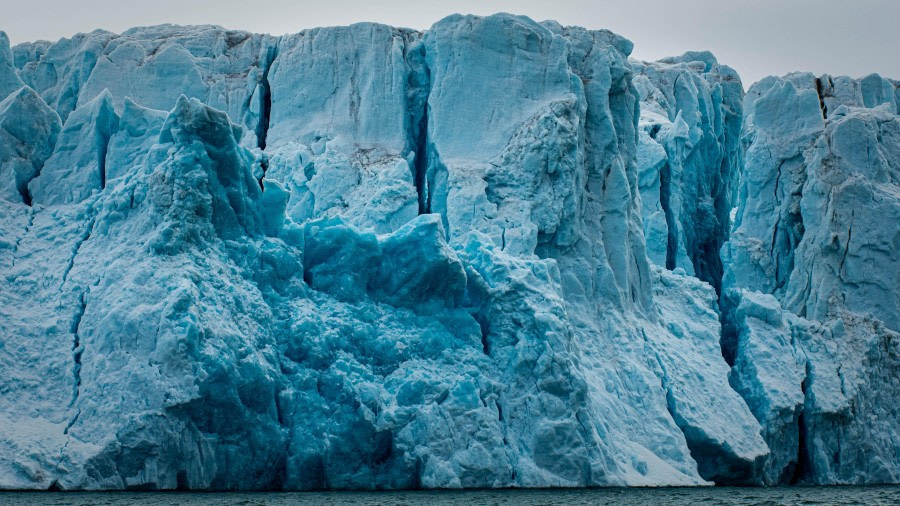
[[484, 255], [810, 288], [690, 156]]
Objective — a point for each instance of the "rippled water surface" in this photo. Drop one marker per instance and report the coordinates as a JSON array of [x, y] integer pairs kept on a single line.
[[875, 496]]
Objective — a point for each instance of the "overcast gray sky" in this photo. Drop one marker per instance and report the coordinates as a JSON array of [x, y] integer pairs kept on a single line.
[[756, 37]]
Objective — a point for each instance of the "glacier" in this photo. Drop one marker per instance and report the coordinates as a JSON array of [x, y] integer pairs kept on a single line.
[[811, 274], [494, 253]]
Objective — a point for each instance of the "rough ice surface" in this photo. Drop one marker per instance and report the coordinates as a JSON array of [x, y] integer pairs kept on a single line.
[[483, 255], [78, 164], [811, 275], [690, 157], [9, 78], [29, 130], [345, 107]]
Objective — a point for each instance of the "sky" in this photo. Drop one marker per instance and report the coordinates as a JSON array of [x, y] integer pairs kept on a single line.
[[756, 37]]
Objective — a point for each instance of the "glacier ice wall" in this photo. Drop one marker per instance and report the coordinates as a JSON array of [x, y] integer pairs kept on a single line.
[[689, 155], [29, 130], [9, 78], [810, 288], [830, 161], [483, 255]]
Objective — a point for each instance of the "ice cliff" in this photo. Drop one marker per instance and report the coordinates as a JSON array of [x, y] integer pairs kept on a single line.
[[497, 253], [689, 155], [810, 292]]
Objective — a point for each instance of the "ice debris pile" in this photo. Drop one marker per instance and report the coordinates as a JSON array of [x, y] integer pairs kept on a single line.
[[497, 253]]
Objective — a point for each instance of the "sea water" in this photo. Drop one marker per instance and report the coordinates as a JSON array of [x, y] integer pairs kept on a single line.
[[870, 496]]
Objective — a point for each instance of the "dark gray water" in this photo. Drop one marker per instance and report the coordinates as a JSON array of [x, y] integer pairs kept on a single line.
[[870, 496]]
